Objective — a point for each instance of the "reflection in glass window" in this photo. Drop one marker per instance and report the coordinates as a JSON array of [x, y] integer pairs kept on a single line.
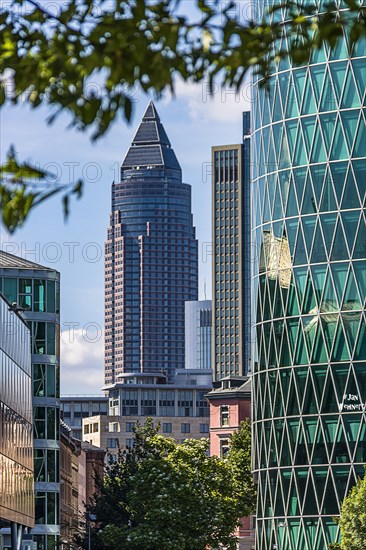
[[39, 423], [10, 289], [25, 294], [39, 296], [40, 507], [39, 337], [51, 297], [39, 380]]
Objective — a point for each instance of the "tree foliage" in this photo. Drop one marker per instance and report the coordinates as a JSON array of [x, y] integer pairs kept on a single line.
[[88, 57], [352, 520], [160, 494]]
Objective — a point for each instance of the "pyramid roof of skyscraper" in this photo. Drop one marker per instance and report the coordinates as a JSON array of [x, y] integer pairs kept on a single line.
[[150, 146], [10, 261]]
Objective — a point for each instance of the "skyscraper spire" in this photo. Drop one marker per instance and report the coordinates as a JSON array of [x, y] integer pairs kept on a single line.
[[150, 147]]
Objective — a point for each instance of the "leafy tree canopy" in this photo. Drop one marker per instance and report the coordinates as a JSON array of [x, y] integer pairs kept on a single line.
[[352, 520], [160, 494], [87, 57]]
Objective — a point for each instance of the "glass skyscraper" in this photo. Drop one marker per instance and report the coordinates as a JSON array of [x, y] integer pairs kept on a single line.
[[309, 288], [36, 290], [151, 258], [198, 334]]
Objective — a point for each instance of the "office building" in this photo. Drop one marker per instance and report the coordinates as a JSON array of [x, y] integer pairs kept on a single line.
[[198, 334], [231, 264], [151, 258], [230, 399], [76, 407], [16, 431], [309, 287], [36, 290], [181, 408]]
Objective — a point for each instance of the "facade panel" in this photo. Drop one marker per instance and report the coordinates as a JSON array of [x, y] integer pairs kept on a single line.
[[309, 285]]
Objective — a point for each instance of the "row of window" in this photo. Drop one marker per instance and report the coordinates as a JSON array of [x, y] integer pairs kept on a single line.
[[167, 428], [32, 294]]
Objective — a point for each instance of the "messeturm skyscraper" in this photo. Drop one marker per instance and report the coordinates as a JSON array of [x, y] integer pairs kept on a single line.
[[151, 258], [309, 289]]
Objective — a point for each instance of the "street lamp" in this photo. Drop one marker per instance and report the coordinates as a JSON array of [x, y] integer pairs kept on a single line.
[[91, 517]]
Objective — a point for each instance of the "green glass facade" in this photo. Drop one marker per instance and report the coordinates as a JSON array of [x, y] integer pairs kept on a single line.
[[36, 289], [309, 288]]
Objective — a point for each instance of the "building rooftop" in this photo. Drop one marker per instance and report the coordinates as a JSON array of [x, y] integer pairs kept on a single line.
[[231, 386], [150, 148], [15, 262]]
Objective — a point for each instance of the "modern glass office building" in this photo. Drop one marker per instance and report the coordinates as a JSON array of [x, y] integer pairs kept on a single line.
[[36, 290], [198, 334], [16, 432], [151, 258], [309, 288]]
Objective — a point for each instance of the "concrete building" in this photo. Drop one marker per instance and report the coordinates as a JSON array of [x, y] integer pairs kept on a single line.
[[76, 407], [181, 408], [151, 258], [36, 290], [198, 334], [309, 290], [16, 430]]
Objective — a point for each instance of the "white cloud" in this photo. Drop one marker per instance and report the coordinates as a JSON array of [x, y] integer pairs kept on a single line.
[[223, 106], [82, 361]]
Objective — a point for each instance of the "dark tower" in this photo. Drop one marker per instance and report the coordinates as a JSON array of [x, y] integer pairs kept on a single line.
[[151, 258]]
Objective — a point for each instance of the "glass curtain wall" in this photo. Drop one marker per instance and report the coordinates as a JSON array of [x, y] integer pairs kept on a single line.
[[309, 287]]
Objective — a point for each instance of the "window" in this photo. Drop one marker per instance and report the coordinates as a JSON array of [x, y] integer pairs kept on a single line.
[[39, 296], [46, 423], [95, 427], [25, 293], [10, 289], [39, 423], [185, 428], [167, 403], [167, 427], [224, 447], [129, 443], [45, 379], [204, 428], [86, 429], [224, 415], [112, 443], [114, 427], [129, 403], [47, 508], [148, 402], [51, 297], [43, 337], [185, 403], [130, 426], [202, 408]]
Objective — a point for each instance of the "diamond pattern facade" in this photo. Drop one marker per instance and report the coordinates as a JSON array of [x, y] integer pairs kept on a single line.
[[309, 283]]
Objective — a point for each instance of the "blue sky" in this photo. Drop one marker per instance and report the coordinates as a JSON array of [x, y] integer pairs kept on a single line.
[[193, 123]]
